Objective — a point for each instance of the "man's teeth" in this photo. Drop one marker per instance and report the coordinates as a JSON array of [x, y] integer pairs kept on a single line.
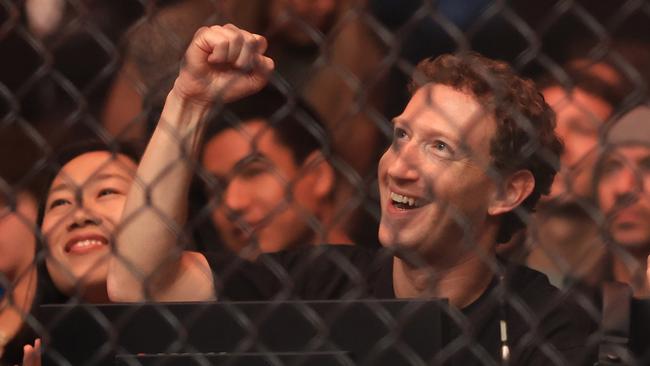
[[402, 199]]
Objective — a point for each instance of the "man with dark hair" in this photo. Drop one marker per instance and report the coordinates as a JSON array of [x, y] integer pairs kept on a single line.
[[471, 154], [564, 240], [622, 191], [582, 102], [273, 186]]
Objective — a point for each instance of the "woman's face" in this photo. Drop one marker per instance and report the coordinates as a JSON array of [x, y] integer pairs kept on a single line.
[[82, 210]]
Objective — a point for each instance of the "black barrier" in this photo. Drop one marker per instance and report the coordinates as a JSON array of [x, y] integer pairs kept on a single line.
[[74, 71], [353, 332]]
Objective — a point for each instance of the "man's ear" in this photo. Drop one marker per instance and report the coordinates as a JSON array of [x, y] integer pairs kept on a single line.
[[320, 174], [513, 191]]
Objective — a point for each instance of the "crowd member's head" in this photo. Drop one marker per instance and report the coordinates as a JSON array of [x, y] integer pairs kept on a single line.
[[583, 102], [623, 183], [274, 184], [474, 144], [79, 215], [18, 212], [300, 21], [152, 51]]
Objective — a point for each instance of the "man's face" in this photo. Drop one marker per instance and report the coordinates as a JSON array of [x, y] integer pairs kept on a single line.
[[624, 196], [433, 184], [83, 208], [579, 118], [259, 176]]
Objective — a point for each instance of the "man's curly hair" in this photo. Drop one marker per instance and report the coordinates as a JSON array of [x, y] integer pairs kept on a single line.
[[524, 137]]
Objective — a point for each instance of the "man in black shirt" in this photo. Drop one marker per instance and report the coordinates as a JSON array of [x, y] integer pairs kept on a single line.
[[471, 155], [622, 186]]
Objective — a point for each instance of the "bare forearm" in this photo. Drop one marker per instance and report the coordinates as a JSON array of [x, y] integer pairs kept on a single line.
[[222, 64], [148, 245]]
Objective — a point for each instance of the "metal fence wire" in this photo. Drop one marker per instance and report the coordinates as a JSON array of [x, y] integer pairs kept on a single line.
[[337, 216]]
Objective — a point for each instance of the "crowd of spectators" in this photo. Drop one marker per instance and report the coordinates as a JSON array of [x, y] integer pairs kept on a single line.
[[326, 144]]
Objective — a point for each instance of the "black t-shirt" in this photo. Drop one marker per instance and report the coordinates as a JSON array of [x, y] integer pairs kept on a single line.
[[639, 332], [543, 327]]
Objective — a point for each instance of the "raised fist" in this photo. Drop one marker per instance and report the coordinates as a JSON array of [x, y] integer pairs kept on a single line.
[[223, 64]]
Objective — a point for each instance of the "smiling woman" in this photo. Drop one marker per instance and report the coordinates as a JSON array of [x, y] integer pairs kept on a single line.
[[84, 204], [80, 207]]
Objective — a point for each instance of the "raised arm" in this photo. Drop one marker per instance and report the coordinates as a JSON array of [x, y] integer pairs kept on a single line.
[[221, 65]]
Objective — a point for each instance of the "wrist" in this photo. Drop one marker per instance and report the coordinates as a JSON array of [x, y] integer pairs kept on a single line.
[[185, 116], [178, 97]]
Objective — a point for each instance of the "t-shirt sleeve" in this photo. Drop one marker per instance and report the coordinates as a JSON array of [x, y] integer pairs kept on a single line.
[[311, 273]]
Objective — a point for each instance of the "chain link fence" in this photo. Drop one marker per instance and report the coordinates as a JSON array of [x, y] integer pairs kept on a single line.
[[82, 87]]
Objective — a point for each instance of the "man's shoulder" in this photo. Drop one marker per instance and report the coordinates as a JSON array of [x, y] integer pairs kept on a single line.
[[560, 320], [523, 277], [535, 290]]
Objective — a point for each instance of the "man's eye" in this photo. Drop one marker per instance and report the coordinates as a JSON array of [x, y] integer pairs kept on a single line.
[[440, 146], [218, 182], [254, 169], [215, 186], [644, 166], [399, 133], [106, 192], [59, 202], [611, 167], [584, 127]]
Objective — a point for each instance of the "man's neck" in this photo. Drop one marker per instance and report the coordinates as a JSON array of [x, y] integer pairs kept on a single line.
[[335, 232], [462, 283], [634, 274], [337, 235]]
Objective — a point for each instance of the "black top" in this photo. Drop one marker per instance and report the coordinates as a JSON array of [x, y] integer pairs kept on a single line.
[[543, 327], [639, 332], [46, 293]]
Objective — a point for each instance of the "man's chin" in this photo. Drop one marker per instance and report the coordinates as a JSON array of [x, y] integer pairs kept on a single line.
[[635, 243], [393, 240]]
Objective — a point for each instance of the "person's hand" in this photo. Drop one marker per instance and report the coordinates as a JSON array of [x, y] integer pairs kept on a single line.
[[32, 354], [223, 64]]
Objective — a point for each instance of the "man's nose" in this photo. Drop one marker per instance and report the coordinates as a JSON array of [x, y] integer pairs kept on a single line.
[[236, 197], [405, 165], [626, 187], [627, 182]]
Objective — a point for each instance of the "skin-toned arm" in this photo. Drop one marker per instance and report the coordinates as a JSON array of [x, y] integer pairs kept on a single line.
[[222, 64]]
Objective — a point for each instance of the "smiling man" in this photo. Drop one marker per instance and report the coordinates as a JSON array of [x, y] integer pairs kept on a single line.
[[471, 155], [273, 187], [623, 183]]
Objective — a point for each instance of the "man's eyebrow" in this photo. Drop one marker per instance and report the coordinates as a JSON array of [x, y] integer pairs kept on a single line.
[[430, 131], [397, 120], [250, 158], [97, 177]]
